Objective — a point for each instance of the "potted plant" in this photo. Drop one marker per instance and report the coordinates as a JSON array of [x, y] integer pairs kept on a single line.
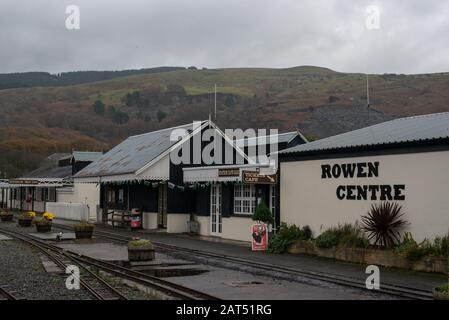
[[84, 230], [140, 250], [6, 215], [263, 214], [441, 292], [45, 223], [26, 218]]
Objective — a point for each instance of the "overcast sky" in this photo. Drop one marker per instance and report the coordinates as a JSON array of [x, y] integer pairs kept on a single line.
[[413, 35]]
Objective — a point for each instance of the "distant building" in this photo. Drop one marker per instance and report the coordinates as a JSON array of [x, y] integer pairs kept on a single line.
[[52, 182]]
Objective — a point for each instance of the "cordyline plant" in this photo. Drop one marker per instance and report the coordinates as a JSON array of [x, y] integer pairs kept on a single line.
[[383, 223]]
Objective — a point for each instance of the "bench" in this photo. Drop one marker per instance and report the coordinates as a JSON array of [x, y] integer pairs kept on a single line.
[[119, 218]]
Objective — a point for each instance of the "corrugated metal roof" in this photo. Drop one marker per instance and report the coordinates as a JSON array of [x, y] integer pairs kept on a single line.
[[52, 172], [86, 155], [281, 138], [411, 129], [132, 154]]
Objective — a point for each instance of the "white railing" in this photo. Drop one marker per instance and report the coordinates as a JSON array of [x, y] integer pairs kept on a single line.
[[70, 211]]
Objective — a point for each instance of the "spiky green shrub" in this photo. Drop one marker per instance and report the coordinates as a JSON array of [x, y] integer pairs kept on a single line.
[[383, 223]]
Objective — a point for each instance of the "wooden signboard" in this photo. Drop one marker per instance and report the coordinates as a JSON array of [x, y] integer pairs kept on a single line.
[[254, 177], [19, 181], [231, 172], [259, 235]]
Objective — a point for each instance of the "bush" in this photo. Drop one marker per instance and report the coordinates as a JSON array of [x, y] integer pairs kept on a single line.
[[287, 236], [263, 214], [349, 235], [140, 243], [415, 251], [27, 215], [327, 239], [84, 226], [444, 288]]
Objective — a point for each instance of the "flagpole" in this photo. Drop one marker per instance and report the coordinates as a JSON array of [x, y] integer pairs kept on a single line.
[[215, 102]]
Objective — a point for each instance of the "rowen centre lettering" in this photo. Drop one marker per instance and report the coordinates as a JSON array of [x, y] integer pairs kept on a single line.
[[362, 170]]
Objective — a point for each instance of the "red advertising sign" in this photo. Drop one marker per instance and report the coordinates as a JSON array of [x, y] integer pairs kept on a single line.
[[259, 236]]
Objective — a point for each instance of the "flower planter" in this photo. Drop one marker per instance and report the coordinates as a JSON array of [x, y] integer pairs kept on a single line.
[[43, 227], [386, 258], [25, 222], [140, 254], [6, 217], [84, 234]]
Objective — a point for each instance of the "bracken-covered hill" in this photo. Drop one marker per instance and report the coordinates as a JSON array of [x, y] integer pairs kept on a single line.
[[37, 121]]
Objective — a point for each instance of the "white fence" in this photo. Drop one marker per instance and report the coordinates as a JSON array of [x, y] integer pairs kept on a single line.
[[70, 211]]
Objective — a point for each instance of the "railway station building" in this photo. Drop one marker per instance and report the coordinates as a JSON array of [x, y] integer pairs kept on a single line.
[[50, 183], [144, 173], [336, 180]]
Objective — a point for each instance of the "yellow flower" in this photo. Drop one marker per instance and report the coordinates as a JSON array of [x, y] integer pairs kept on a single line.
[[31, 214], [48, 216]]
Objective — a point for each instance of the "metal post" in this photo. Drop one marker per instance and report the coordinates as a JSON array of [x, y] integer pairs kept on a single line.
[[32, 199]]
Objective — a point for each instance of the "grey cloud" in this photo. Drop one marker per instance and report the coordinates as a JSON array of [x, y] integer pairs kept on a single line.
[[225, 33]]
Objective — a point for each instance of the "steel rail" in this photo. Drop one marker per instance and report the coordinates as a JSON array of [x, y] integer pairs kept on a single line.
[[8, 295], [389, 289], [58, 261], [165, 286]]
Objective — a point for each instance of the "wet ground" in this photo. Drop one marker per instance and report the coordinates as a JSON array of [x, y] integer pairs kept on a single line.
[[228, 281]]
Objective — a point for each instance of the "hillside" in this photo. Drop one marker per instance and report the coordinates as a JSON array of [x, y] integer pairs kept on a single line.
[[37, 121]]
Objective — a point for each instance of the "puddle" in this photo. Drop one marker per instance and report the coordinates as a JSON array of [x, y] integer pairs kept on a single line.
[[244, 284], [170, 272]]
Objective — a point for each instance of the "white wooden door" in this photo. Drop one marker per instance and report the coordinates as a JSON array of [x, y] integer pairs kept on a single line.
[[215, 210]]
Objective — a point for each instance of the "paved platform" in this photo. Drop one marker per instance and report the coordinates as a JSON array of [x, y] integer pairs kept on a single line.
[[419, 280], [102, 251], [52, 235], [3, 237]]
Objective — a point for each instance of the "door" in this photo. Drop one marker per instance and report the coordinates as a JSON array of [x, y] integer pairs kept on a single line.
[[215, 210], [162, 206]]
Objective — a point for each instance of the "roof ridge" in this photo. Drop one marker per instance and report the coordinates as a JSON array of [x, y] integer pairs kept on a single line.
[[421, 116], [160, 130], [268, 135]]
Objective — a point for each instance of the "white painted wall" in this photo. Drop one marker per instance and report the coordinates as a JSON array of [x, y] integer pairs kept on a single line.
[[177, 223], [237, 228], [204, 223], [65, 195], [89, 194], [84, 193], [70, 211], [306, 199]]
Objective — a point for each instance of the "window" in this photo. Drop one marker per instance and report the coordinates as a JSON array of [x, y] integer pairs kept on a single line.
[[51, 194], [111, 196], [244, 199], [121, 195]]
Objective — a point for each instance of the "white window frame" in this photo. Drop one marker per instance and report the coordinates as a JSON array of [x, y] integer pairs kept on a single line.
[[273, 199], [244, 199]]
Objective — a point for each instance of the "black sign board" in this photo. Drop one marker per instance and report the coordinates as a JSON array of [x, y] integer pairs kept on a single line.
[[230, 172], [20, 181]]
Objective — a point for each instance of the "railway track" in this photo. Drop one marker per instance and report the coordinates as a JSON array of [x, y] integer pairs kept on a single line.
[[64, 257], [389, 289], [6, 294]]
